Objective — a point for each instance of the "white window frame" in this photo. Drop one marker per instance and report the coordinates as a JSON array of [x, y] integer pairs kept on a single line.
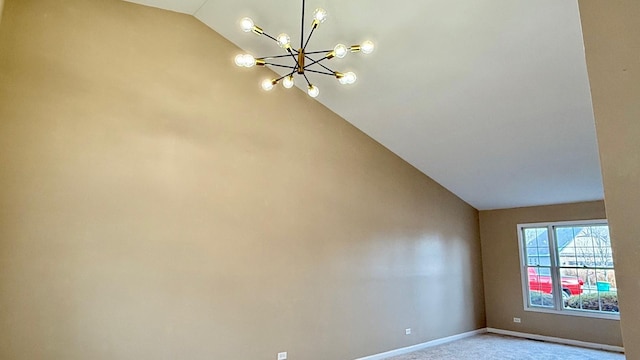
[[555, 270]]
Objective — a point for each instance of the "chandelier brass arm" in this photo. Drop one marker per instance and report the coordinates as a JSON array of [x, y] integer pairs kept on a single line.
[[300, 56]]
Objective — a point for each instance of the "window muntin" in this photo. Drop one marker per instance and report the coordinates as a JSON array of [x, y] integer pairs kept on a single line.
[[573, 259]]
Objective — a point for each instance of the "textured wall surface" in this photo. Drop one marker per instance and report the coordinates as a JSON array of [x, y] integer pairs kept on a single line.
[[503, 282], [611, 32], [156, 204]]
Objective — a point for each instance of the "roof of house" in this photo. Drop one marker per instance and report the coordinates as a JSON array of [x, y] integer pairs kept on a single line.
[[564, 236]]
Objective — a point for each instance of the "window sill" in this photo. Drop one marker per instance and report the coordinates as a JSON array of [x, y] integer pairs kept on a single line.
[[576, 313]]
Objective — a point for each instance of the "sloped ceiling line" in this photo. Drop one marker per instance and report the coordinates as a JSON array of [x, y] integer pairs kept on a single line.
[[489, 98]]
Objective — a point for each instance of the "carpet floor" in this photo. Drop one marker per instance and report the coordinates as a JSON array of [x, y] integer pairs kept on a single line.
[[493, 346]]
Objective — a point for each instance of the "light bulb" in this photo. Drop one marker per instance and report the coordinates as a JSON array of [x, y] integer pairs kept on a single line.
[[320, 15], [340, 50], [313, 91], [267, 84], [246, 24], [350, 78], [367, 47], [288, 82], [248, 60], [284, 40], [239, 60], [346, 78]]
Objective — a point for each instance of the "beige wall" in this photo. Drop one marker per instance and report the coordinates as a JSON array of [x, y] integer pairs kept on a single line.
[[502, 279], [156, 204], [611, 32]]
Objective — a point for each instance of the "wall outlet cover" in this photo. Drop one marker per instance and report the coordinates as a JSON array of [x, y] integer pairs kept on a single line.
[[282, 355]]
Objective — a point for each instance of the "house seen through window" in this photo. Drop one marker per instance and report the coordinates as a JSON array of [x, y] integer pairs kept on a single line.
[[568, 267]]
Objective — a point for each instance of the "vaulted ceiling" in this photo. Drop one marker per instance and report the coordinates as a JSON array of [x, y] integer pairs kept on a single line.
[[490, 98]]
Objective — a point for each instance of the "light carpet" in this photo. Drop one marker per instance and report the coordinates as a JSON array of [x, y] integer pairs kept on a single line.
[[493, 346]]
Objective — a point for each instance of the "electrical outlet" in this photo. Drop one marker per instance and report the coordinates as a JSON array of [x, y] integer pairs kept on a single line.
[[517, 320], [407, 331], [282, 355]]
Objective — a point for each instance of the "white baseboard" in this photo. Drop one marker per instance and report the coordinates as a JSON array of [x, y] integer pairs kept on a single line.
[[423, 346], [557, 340]]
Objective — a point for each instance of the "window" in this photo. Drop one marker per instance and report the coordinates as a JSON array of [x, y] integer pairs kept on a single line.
[[567, 268]]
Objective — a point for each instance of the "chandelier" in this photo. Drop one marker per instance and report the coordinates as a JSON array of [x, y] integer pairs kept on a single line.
[[301, 61]]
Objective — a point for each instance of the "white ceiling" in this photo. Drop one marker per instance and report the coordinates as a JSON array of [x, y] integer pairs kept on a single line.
[[490, 98]]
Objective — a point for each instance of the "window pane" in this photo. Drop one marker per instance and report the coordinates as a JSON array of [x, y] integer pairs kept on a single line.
[[537, 246], [571, 281], [540, 287], [584, 246], [599, 294], [607, 290]]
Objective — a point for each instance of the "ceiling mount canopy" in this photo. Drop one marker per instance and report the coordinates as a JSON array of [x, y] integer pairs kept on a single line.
[[302, 61]]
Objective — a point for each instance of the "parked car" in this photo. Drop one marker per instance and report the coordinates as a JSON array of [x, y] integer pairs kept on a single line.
[[570, 285]]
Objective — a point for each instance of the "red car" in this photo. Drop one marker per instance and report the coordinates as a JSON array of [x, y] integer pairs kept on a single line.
[[570, 285]]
